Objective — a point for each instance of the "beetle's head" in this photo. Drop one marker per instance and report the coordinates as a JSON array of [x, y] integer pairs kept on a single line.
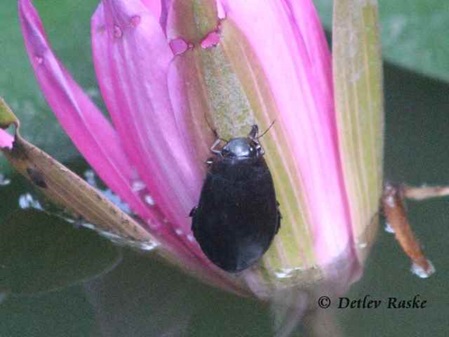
[[242, 148]]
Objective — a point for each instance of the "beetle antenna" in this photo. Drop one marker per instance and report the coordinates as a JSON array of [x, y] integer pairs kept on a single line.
[[268, 129]]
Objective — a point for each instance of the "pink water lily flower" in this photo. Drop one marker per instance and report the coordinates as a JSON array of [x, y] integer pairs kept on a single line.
[[166, 69]]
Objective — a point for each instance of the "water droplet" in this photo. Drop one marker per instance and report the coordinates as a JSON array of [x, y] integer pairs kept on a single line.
[[147, 246], [362, 245], [178, 231], [120, 240], [89, 176], [191, 238], [91, 179], [286, 272], [27, 201], [388, 228], [138, 186], [4, 181], [149, 200], [153, 225], [39, 59], [421, 272], [135, 21], [115, 199], [81, 223], [178, 46], [109, 235], [118, 33]]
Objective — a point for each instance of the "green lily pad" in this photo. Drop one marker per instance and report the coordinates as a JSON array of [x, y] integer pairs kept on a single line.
[[65, 313], [413, 33], [39, 253]]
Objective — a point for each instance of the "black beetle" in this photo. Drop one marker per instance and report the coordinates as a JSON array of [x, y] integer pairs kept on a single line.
[[237, 215]]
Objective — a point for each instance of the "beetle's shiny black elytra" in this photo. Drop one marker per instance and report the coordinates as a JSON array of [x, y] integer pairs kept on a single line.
[[237, 216]]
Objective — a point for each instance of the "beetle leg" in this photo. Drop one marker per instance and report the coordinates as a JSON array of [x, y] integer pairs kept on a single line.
[[278, 225], [193, 211], [214, 145], [253, 136], [253, 133]]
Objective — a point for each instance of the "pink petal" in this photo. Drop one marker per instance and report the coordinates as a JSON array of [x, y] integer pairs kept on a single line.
[[306, 25], [165, 6], [99, 143], [154, 7], [6, 140], [91, 133], [131, 62], [292, 59]]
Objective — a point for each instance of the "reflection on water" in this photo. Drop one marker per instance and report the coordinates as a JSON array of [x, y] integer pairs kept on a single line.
[[32, 200], [27, 201], [92, 179], [420, 272], [4, 181], [119, 240]]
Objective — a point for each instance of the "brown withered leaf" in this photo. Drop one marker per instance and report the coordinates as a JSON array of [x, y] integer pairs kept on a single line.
[[65, 188]]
